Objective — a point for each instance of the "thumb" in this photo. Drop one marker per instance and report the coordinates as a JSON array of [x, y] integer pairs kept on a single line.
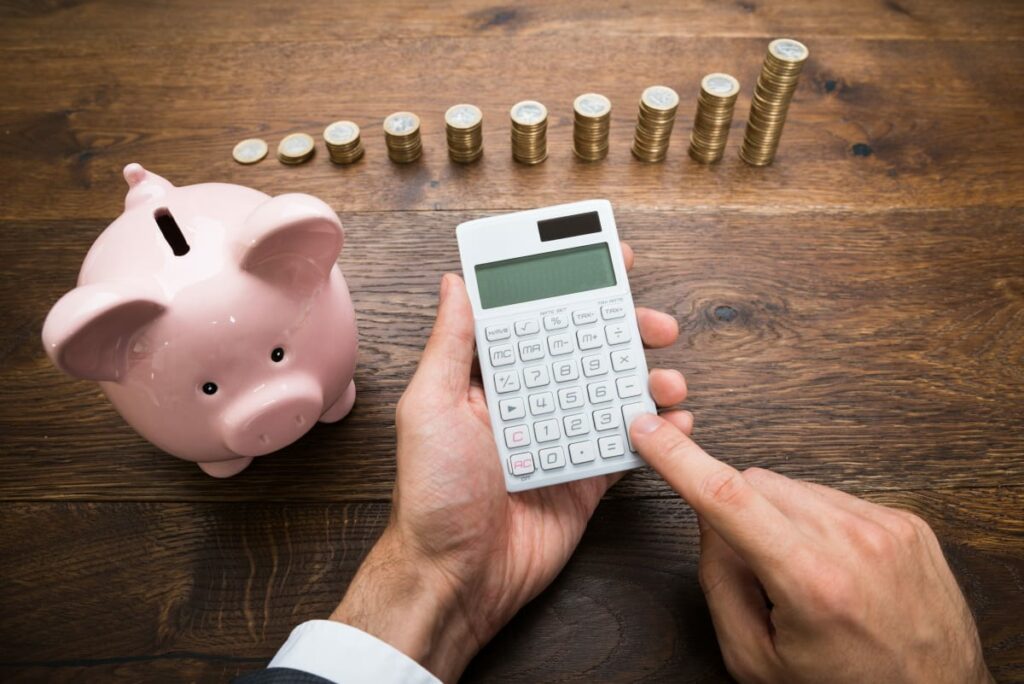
[[448, 357]]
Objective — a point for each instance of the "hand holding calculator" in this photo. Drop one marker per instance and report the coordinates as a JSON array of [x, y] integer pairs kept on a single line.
[[561, 357]]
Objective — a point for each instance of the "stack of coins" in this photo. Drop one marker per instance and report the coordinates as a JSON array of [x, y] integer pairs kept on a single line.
[[775, 86], [529, 132], [658, 106], [295, 149], [250, 151], [592, 115], [402, 135], [343, 142], [463, 124], [714, 115]]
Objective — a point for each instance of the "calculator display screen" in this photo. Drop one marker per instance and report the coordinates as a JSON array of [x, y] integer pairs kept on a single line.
[[540, 276]]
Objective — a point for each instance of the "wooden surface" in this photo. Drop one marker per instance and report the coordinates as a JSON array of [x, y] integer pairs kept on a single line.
[[852, 315]]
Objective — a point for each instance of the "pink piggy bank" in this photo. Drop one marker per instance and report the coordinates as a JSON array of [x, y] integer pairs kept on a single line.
[[214, 318]]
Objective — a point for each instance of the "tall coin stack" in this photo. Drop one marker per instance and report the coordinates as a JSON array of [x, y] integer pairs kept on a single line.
[[592, 114], [658, 106], [464, 127], [343, 142], [529, 132], [402, 136], [714, 115], [775, 86]]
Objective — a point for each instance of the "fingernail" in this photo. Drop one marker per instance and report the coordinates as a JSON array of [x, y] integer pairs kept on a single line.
[[645, 424]]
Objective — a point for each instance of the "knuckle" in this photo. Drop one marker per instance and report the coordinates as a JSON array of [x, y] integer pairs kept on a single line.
[[710, 576], [831, 592], [757, 476], [874, 539], [724, 487]]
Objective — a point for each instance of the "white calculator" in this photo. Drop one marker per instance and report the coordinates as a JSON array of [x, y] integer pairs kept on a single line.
[[562, 361]]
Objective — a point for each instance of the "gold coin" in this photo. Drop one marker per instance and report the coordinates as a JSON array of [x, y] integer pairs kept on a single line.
[[295, 148], [250, 151], [341, 133], [401, 124], [463, 116]]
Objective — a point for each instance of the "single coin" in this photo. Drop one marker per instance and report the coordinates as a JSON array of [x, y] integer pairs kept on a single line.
[[341, 133], [529, 112], [401, 123], [463, 116], [250, 151], [295, 148], [720, 85], [788, 49], [592, 105], [660, 97]]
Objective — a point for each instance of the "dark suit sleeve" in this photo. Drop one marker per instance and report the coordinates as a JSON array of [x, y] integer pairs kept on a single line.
[[279, 675]]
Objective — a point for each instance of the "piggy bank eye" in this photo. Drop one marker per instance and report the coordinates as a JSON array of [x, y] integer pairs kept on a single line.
[[277, 355], [209, 388]]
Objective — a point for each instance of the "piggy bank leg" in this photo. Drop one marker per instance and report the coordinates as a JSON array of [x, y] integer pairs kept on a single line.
[[340, 408], [227, 468]]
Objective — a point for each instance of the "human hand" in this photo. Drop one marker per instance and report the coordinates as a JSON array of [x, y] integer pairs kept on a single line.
[[808, 584], [461, 555]]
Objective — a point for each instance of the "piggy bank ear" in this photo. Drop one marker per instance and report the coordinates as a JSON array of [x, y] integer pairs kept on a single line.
[[89, 332], [290, 239]]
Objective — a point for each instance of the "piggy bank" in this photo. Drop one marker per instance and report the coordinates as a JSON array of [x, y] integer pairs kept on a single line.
[[214, 318]]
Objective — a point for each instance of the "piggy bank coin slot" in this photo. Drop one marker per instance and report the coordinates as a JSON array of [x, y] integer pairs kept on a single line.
[[171, 232]]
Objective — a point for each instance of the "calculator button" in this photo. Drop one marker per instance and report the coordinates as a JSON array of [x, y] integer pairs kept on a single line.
[[617, 334], [502, 355], [570, 398], [536, 376], [531, 351], [581, 452], [542, 403], [588, 339], [599, 392], [611, 446], [623, 359], [594, 365], [584, 317], [506, 381], [511, 409], [527, 327], [546, 430], [552, 458], [559, 345], [556, 322], [521, 464], [629, 413], [565, 371], [610, 312], [497, 332], [517, 436], [576, 424], [606, 419], [628, 387]]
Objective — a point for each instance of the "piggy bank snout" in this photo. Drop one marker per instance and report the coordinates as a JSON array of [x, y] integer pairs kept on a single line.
[[272, 416]]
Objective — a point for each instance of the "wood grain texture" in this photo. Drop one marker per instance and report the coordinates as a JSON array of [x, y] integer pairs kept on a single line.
[[852, 315], [201, 591], [928, 120], [877, 351]]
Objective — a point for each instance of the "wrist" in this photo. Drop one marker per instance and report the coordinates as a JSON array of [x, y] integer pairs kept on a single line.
[[396, 597]]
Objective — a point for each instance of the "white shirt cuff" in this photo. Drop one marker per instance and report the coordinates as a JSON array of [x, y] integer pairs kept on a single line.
[[346, 655]]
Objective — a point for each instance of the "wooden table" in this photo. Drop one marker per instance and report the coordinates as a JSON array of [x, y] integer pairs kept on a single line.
[[852, 315]]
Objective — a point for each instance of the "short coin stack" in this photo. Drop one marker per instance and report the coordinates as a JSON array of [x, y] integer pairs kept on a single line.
[[463, 125], [295, 149], [402, 135], [343, 142], [715, 103], [779, 76], [658, 106], [592, 117], [529, 132]]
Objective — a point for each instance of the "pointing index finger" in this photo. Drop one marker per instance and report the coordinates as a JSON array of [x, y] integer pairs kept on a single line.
[[758, 531]]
